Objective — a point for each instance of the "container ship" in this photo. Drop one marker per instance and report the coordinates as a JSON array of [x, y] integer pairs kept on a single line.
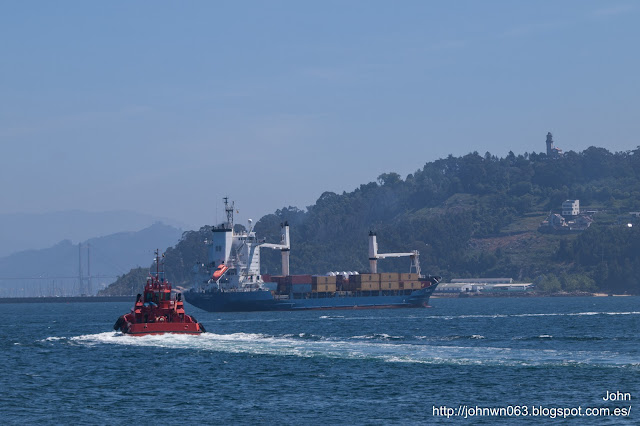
[[236, 284]]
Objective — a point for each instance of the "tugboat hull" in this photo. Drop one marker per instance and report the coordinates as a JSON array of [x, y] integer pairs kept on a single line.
[[159, 328], [158, 310]]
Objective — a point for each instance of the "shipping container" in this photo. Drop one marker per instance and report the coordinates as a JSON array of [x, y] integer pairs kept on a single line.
[[364, 278], [370, 286], [349, 286], [389, 276], [299, 279], [301, 288], [323, 288], [390, 285], [405, 276], [412, 285], [323, 279]]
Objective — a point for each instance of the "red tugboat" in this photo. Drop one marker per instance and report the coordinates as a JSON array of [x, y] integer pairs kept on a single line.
[[157, 312]]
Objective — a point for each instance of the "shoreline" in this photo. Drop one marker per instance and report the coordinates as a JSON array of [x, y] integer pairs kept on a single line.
[[70, 299], [107, 299]]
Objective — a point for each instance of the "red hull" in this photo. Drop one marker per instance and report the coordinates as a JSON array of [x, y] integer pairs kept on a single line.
[[162, 328], [158, 311], [167, 317]]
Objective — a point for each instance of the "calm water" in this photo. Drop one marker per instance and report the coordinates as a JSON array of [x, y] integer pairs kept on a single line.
[[62, 363]]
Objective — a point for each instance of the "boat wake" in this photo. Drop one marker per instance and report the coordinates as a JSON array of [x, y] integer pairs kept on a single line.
[[415, 317], [551, 314], [360, 348]]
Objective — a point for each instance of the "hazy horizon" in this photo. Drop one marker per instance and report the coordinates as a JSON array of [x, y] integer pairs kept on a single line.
[[36, 231]]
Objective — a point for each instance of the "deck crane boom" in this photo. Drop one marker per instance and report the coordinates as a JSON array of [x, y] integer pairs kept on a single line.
[[374, 255], [284, 247]]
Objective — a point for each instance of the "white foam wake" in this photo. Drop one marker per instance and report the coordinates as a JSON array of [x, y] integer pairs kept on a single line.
[[259, 344], [551, 314]]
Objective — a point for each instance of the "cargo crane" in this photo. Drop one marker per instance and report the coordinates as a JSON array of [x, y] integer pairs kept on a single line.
[[374, 256], [284, 247]]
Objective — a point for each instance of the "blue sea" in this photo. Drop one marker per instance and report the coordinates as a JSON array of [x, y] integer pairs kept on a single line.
[[63, 364]]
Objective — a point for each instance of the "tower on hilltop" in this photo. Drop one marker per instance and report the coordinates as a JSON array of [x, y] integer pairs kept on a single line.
[[551, 150]]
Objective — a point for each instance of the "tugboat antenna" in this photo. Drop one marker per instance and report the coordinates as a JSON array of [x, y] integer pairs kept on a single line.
[[162, 268], [156, 260]]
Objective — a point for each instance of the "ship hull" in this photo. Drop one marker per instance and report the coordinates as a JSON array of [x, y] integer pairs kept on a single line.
[[163, 328], [263, 300], [129, 324]]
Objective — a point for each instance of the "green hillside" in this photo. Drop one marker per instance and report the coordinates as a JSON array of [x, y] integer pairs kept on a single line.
[[470, 216]]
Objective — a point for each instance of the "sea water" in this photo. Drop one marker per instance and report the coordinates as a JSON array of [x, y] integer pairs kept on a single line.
[[64, 364]]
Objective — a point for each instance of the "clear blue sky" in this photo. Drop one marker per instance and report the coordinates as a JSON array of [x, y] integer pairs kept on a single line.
[[165, 107]]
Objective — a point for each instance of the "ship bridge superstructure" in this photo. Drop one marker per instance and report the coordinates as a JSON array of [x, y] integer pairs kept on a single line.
[[236, 255]]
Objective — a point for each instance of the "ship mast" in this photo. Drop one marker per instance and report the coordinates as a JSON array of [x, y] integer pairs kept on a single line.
[[229, 211], [157, 261]]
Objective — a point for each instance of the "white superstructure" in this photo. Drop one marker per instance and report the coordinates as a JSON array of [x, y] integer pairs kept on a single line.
[[239, 252]]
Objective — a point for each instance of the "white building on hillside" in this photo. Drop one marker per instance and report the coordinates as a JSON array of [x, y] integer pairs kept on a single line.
[[571, 208]]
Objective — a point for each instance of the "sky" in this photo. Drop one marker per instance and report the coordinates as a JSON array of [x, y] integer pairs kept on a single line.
[[165, 107]]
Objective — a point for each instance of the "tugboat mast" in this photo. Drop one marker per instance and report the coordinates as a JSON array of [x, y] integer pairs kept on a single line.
[[158, 269]]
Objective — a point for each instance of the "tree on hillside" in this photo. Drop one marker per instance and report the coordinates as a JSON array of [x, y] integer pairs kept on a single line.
[[447, 206]]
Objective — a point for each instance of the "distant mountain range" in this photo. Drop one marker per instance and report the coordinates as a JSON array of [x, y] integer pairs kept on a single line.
[[25, 231], [54, 271]]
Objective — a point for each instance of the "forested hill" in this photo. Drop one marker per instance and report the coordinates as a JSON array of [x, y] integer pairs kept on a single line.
[[470, 216]]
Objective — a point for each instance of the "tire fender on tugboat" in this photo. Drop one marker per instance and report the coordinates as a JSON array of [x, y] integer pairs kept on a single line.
[[118, 323]]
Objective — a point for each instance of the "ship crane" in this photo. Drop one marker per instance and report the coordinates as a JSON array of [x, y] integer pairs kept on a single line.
[[284, 247], [374, 255]]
